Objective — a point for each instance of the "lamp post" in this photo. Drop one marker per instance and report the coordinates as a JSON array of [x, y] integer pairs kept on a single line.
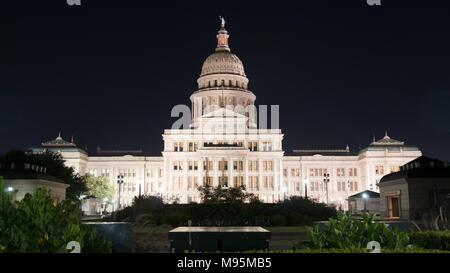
[[120, 182], [365, 196], [305, 181], [105, 200], [161, 191], [10, 189], [326, 180]]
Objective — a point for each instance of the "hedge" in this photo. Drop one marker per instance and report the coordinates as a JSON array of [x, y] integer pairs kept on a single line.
[[363, 250], [431, 239]]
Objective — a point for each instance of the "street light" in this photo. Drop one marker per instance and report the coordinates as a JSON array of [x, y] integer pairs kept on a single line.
[[305, 181], [284, 191], [161, 191], [365, 196], [140, 184], [104, 204], [326, 180], [113, 202], [10, 189], [120, 182]]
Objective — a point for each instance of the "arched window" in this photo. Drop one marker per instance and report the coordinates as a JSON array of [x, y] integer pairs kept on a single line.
[[230, 83], [215, 83]]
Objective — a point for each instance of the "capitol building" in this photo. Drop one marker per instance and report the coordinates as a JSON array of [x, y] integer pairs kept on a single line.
[[223, 146]]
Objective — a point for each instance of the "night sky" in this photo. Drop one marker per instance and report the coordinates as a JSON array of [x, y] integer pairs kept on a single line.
[[109, 72]]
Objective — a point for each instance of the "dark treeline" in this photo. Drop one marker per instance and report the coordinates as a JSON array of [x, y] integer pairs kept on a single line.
[[292, 212]]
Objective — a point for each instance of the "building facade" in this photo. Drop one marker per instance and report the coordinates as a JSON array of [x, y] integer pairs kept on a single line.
[[224, 147]]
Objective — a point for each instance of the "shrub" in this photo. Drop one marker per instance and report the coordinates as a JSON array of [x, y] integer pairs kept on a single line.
[[277, 220], [293, 212], [297, 219], [175, 220], [347, 233], [431, 239], [37, 224]]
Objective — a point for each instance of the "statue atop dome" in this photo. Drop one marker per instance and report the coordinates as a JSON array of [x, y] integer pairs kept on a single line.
[[222, 20]]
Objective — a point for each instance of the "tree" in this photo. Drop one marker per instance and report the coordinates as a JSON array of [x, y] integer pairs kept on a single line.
[[37, 225], [55, 166], [226, 205], [99, 187], [225, 195]]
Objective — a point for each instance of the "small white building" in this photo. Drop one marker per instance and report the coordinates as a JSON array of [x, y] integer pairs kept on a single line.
[[29, 178]]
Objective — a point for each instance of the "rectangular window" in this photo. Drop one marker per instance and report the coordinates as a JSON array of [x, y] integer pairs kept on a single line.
[[190, 182], [195, 182], [379, 169], [285, 172], [223, 181]]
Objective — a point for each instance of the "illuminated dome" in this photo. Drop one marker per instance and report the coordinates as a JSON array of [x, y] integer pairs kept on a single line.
[[222, 83], [222, 62]]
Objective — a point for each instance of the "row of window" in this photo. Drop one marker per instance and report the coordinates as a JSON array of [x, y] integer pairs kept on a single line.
[[253, 184], [153, 172], [341, 186], [267, 165], [252, 145], [347, 186], [340, 172], [221, 83]]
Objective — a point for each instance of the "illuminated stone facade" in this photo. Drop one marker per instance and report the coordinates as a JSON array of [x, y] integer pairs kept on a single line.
[[223, 146]]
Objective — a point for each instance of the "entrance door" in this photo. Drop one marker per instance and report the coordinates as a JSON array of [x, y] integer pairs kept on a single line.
[[394, 207]]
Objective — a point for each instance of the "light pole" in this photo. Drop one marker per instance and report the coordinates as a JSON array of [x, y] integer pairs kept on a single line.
[[305, 181], [365, 196], [105, 200], [120, 182], [326, 179], [140, 184]]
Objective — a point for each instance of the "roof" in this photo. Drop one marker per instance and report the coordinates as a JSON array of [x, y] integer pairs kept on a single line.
[[323, 152], [371, 194], [58, 142], [28, 174], [220, 229], [388, 143], [421, 167]]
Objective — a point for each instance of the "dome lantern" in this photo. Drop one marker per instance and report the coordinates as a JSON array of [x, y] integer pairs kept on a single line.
[[222, 37]]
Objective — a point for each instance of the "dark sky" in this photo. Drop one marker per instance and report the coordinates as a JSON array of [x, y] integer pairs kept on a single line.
[[109, 72]]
